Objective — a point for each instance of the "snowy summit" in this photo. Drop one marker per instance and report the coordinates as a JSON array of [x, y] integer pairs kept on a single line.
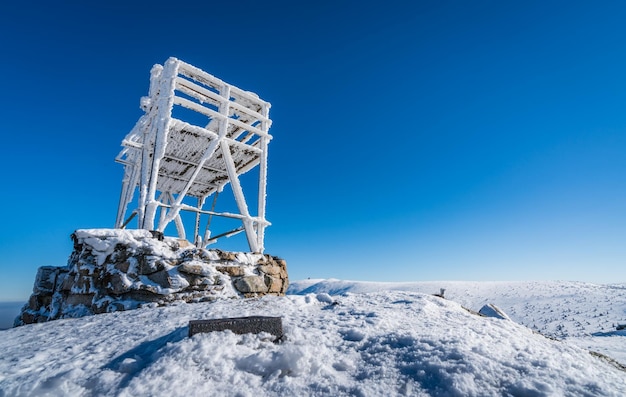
[[380, 341]]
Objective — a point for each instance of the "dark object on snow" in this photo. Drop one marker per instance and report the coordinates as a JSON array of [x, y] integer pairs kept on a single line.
[[621, 327], [157, 234], [239, 325]]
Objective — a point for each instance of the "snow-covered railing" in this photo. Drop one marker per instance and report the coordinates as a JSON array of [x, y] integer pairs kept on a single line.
[[168, 158]]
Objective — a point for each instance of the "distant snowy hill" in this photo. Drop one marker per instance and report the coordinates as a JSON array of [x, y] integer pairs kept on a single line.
[[341, 338]]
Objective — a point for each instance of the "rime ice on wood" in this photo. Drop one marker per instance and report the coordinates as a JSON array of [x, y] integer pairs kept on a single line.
[[168, 159]]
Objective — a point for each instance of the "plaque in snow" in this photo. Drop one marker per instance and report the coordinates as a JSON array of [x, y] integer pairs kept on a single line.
[[197, 135], [239, 325]]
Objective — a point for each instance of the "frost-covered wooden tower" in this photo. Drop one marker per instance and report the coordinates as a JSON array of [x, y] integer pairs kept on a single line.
[[171, 161]]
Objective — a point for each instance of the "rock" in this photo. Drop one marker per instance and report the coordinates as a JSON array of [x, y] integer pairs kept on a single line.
[[491, 310], [79, 299], [149, 288], [251, 284], [283, 290], [33, 302], [113, 269], [101, 306], [171, 281], [274, 284], [208, 256], [37, 302], [26, 317], [226, 256], [192, 279], [269, 269], [281, 262], [65, 282], [194, 268], [162, 278], [182, 243], [150, 262], [142, 296], [157, 234], [87, 270], [45, 279], [118, 284], [232, 271], [122, 266]]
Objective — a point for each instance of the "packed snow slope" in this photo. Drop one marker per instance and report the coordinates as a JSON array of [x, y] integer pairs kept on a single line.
[[378, 343]]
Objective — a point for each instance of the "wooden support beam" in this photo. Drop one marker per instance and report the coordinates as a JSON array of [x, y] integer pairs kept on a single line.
[[177, 159], [239, 197]]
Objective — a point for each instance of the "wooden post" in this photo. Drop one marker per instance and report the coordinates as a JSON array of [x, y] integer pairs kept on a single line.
[[159, 158]]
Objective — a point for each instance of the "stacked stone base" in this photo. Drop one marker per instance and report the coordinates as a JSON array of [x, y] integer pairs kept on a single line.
[[111, 270]]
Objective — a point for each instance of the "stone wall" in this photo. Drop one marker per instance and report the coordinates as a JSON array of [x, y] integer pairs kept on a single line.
[[112, 269]]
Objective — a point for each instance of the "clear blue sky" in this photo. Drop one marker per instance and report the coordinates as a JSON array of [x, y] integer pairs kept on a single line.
[[415, 140]]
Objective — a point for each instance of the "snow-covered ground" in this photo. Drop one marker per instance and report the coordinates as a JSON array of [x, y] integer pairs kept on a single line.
[[341, 338], [583, 314]]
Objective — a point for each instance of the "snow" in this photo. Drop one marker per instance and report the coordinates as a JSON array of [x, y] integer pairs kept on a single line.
[[583, 314], [491, 310], [369, 339], [103, 241]]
